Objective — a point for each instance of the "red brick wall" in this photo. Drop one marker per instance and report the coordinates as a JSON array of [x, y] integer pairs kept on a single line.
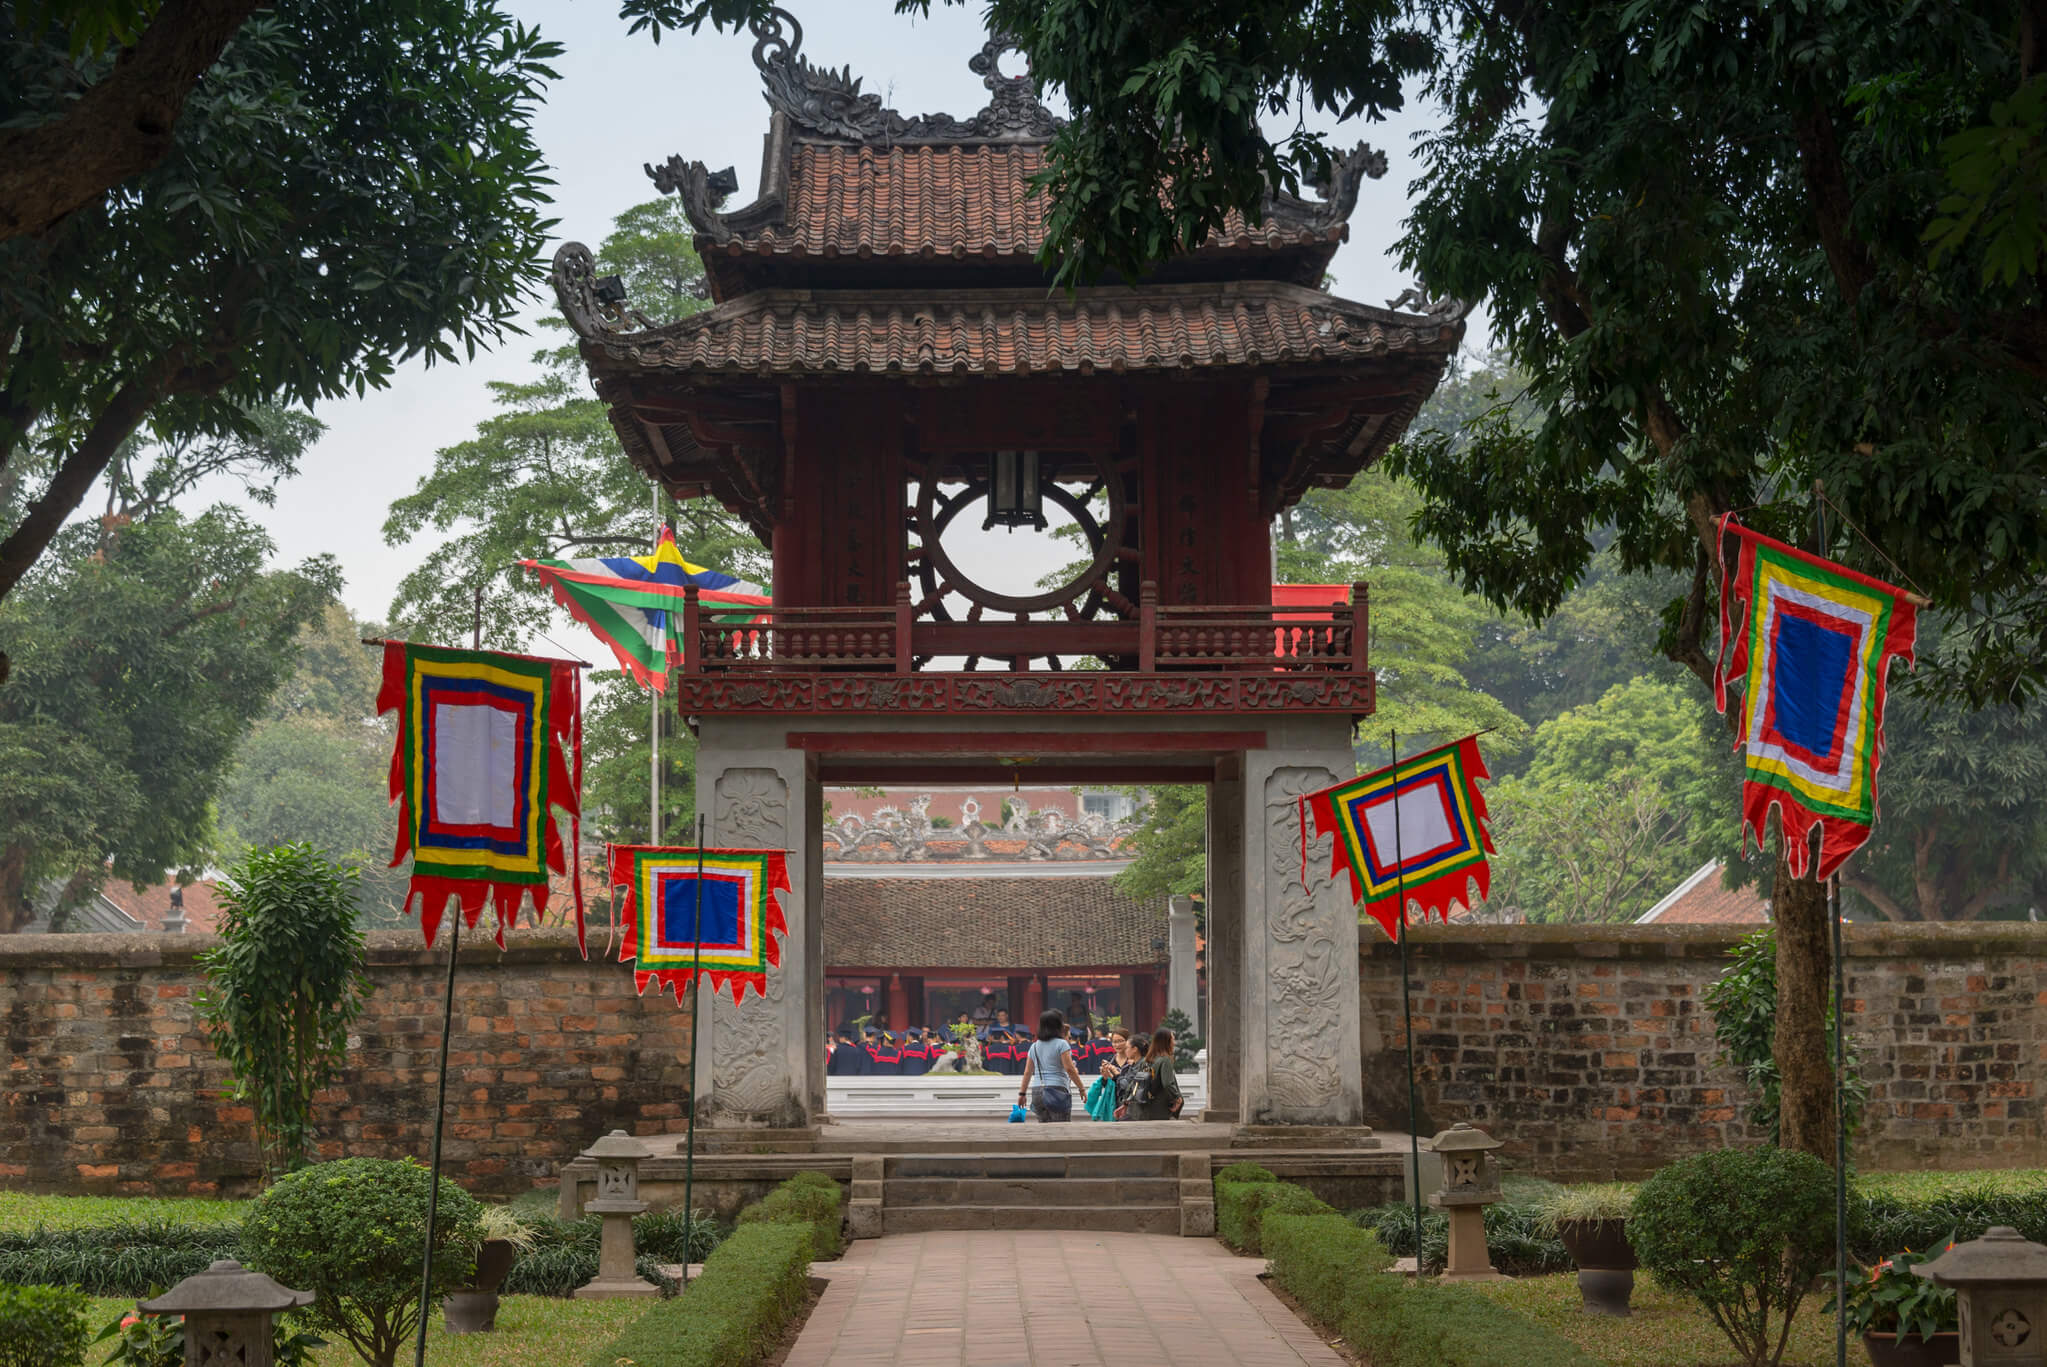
[[1590, 1051], [110, 1085]]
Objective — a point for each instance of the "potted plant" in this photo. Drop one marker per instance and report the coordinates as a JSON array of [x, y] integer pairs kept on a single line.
[[473, 1309], [1592, 1224], [1904, 1320]]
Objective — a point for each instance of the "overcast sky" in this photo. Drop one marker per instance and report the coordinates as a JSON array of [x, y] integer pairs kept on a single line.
[[623, 101]]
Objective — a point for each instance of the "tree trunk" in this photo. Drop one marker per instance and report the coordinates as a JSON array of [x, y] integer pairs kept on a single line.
[[1803, 1047], [14, 910]]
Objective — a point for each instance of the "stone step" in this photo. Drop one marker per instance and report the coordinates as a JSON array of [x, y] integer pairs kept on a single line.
[[1151, 1219], [1015, 1166], [1046, 1191]]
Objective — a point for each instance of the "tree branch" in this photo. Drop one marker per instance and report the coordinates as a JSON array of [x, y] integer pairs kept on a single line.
[[120, 127], [1826, 184], [1885, 904]]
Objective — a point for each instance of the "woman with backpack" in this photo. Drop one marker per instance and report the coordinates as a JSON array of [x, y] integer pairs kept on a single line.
[[1157, 1096], [1049, 1062]]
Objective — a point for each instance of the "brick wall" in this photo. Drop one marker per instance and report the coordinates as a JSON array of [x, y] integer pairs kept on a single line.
[[110, 1085], [1590, 1051]]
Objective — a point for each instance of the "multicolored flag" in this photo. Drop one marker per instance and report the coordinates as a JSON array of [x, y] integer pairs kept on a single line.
[[1812, 644], [634, 602], [489, 747], [1415, 828], [741, 916]]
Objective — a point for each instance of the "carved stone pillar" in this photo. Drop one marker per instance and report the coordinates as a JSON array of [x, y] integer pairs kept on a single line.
[[763, 1065], [1300, 1055], [1225, 901]]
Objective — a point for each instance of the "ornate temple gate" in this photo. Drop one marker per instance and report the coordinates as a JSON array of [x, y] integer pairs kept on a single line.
[[885, 356]]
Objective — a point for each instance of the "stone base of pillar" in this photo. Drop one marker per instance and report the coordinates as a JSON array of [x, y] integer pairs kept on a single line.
[[615, 1279], [601, 1290], [1469, 1261]]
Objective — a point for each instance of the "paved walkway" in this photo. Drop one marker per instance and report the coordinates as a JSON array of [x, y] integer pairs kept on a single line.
[[1050, 1298]]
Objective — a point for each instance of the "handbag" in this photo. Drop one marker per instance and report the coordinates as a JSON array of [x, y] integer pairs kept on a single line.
[[1016, 1115], [1058, 1100]]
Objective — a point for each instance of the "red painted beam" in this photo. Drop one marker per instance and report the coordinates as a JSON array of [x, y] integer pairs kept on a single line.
[[886, 774], [1001, 744]]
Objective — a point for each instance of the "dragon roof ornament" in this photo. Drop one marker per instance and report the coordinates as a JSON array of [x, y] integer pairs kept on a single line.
[[828, 103]]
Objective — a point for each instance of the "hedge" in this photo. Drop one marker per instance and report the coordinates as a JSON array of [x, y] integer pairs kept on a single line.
[[124, 1258], [1337, 1272], [1888, 1214], [1241, 1207], [751, 1286]]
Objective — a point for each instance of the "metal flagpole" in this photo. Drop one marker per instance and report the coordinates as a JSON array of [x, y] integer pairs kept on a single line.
[[696, 1032], [1414, 1140], [654, 726], [433, 1190], [1840, 1137]]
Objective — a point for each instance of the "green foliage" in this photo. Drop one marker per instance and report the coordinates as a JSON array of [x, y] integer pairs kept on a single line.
[[1743, 1002], [1891, 1299], [42, 1326], [352, 1232], [1745, 1232], [563, 1255], [1620, 800], [141, 654], [1241, 1207], [283, 985], [1338, 1274], [121, 1258], [1171, 843], [1186, 1044], [1520, 1238], [323, 213], [1244, 1172], [315, 767], [811, 1199], [1885, 1215], [1585, 1205], [145, 1341], [734, 1311]]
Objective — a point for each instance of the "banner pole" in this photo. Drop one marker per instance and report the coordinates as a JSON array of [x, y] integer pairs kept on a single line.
[[696, 1033], [654, 728], [1414, 1141], [1840, 1135]]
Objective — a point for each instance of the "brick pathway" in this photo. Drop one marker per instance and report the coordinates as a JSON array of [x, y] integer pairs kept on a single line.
[[1116, 1300]]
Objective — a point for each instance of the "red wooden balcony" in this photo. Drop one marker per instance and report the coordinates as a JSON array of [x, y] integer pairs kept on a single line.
[[1257, 657]]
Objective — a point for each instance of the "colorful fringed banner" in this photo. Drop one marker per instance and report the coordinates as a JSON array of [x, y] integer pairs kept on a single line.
[[634, 602], [1812, 643], [742, 918], [1441, 843], [489, 745]]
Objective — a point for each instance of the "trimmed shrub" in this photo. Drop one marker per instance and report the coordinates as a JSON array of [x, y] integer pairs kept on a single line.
[[1337, 1272], [808, 1198], [1241, 1207], [733, 1313], [660, 1235], [1244, 1172], [42, 1326], [1884, 1217], [350, 1231], [127, 1258], [1745, 1232]]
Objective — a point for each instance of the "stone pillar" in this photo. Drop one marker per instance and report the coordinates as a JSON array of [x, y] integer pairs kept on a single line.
[[1299, 1000], [763, 1066], [1033, 1002], [1225, 902], [1183, 987]]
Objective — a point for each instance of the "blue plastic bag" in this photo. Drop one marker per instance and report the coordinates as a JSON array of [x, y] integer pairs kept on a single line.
[[1017, 1115]]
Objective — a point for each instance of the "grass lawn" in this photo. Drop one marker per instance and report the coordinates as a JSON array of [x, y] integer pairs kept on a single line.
[[1666, 1330], [531, 1330], [21, 1211]]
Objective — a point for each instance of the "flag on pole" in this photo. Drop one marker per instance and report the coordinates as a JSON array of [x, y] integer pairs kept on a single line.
[[1811, 642], [1438, 848], [634, 602], [489, 746], [742, 917]]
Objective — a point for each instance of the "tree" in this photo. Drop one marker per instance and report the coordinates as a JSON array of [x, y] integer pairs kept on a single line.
[[324, 212], [96, 101], [1620, 800], [143, 653], [282, 987], [314, 768], [1170, 842]]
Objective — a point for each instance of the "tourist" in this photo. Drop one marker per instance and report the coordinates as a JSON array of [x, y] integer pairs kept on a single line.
[[1160, 1097], [985, 1012], [1049, 1063], [1131, 1071]]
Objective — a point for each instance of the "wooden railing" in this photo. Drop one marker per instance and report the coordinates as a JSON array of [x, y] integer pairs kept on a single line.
[[1246, 637]]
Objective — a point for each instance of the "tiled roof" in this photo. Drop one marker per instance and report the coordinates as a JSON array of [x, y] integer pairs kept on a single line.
[[1020, 923], [1013, 332], [152, 904], [945, 201], [1701, 901]]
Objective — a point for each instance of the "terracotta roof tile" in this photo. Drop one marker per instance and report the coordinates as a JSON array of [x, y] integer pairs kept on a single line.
[[152, 904], [1008, 332], [1035, 923], [951, 200]]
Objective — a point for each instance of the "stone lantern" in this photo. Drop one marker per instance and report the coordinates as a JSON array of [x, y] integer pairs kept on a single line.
[[2000, 1283], [1471, 1182], [618, 1157], [227, 1312]]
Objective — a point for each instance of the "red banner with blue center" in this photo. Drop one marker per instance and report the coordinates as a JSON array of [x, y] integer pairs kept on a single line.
[[741, 916], [489, 747], [1414, 829], [1811, 642]]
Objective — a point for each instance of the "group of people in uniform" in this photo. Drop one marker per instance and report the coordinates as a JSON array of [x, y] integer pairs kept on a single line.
[[874, 1052]]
